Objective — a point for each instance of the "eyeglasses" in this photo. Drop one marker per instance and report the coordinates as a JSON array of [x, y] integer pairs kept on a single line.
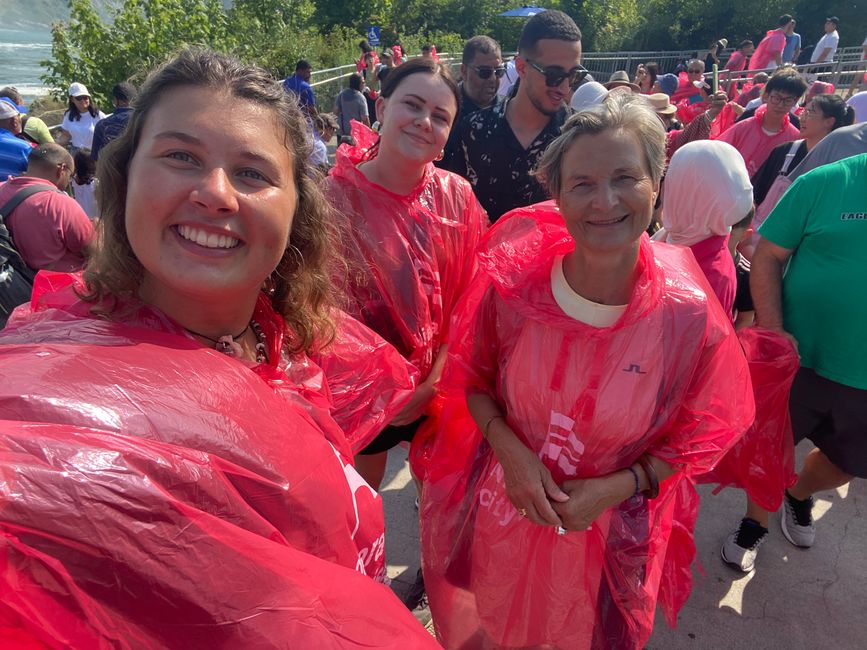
[[781, 100], [555, 75], [81, 97], [485, 73]]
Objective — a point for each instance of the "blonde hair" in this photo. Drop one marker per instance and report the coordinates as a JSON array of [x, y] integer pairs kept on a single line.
[[624, 111], [301, 287]]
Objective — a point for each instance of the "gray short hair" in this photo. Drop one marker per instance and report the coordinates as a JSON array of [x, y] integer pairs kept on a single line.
[[625, 111]]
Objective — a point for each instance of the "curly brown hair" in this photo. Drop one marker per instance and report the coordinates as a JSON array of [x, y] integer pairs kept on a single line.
[[302, 286]]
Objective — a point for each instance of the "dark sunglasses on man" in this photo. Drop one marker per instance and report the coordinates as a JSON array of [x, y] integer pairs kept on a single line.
[[485, 73], [555, 75]]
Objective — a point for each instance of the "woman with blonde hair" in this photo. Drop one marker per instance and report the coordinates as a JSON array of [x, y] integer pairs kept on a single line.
[[591, 376]]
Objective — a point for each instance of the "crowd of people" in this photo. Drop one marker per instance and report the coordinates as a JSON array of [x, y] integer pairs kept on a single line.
[[575, 299]]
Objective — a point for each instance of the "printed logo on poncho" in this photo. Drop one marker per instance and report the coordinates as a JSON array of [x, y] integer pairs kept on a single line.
[[562, 447], [374, 552], [853, 216]]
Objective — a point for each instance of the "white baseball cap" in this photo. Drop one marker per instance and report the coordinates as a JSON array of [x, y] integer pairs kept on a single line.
[[77, 90], [7, 110]]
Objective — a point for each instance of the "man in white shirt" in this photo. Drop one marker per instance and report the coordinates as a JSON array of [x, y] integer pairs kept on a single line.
[[827, 45]]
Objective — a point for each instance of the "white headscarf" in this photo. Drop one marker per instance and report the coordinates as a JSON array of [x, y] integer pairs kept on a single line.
[[707, 190], [588, 95]]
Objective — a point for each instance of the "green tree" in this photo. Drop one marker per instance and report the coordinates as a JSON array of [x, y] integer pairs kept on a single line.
[[138, 35]]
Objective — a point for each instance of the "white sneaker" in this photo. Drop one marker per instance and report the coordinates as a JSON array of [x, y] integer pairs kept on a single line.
[[797, 521], [742, 546]]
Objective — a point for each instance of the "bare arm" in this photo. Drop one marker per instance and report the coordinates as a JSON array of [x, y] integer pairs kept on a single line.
[[766, 283], [424, 392]]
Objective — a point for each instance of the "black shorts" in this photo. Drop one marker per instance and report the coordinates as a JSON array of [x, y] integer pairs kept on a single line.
[[392, 437], [834, 417]]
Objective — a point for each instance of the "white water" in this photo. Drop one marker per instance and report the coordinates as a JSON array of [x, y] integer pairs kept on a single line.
[[22, 47]]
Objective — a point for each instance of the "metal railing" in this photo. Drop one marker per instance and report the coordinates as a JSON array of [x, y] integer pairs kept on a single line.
[[334, 80], [847, 61]]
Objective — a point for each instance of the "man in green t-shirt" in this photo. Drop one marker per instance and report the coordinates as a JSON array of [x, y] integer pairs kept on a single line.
[[809, 280]]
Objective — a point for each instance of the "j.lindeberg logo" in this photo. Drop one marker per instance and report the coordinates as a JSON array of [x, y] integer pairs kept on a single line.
[[853, 216], [634, 367]]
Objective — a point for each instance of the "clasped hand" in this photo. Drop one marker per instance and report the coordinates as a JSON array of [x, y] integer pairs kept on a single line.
[[535, 494]]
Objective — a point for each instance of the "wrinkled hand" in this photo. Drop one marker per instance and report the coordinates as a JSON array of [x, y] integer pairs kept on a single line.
[[529, 485], [416, 406], [588, 498]]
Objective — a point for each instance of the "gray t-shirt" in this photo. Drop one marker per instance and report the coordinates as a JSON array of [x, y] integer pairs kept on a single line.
[[843, 143], [350, 105]]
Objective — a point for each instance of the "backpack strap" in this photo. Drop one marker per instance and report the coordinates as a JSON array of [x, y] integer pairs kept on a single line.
[[22, 194], [8, 251], [790, 156]]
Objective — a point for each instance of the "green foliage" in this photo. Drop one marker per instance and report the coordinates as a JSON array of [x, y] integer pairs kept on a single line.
[[141, 34], [137, 34]]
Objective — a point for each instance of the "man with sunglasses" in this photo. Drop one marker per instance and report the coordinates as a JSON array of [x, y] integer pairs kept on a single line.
[[502, 143], [481, 71]]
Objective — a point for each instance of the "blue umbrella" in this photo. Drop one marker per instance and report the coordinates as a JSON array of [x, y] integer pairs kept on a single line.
[[524, 12]]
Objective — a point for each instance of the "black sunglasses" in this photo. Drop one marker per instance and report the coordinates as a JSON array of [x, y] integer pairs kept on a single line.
[[555, 75], [485, 73]]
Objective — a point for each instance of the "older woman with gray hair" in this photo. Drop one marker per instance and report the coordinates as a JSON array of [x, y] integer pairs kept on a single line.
[[590, 376]]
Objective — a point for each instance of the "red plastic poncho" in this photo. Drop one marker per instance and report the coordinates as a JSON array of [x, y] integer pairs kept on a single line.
[[750, 139], [772, 44], [414, 253], [114, 541], [139, 383], [763, 462], [668, 378], [687, 111]]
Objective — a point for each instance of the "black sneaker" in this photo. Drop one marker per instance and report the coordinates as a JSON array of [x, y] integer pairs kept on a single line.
[[742, 546], [416, 601], [797, 521]]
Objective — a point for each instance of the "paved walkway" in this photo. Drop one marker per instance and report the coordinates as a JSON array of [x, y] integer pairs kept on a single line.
[[795, 599]]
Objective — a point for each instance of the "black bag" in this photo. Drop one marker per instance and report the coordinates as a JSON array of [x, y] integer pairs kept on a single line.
[[805, 55], [16, 278]]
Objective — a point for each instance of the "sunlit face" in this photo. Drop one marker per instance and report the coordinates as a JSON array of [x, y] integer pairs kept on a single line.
[[695, 71], [210, 197], [65, 172], [779, 103], [482, 91], [814, 124], [547, 54], [607, 193], [82, 103], [12, 124], [829, 27], [416, 118]]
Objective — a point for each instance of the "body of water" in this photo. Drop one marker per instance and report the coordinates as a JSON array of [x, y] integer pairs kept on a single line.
[[22, 47]]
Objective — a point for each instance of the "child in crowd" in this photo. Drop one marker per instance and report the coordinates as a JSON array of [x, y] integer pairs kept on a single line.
[[84, 183]]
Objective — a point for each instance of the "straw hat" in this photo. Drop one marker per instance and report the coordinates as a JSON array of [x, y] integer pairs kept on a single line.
[[661, 105], [621, 78]]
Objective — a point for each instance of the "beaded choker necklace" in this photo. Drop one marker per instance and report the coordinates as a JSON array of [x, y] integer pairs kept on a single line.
[[229, 345]]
